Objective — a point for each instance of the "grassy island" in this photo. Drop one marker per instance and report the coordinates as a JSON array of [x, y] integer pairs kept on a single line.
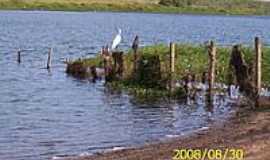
[[189, 59]]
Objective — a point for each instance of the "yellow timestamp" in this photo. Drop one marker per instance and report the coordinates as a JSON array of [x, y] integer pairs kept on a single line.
[[208, 154]]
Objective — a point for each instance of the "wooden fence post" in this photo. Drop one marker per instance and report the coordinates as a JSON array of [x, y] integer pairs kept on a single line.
[[172, 65], [49, 59], [19, 56], [135, 47], [135, 62], [172, 57], [94, 73], [258, 72], [212, 67]]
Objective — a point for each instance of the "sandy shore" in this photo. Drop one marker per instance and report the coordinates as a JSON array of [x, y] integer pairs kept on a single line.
[[247, 129]]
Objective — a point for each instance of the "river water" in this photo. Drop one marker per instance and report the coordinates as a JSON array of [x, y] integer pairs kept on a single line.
[[48, 114]]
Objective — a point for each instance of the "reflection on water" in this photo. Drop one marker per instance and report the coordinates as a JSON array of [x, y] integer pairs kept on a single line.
[[45, 114]]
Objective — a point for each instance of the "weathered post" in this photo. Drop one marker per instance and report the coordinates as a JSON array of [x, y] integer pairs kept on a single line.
[[258, 64], [94, 73], [49, 59], [121, 64], [258, 73], [108, 66], [212, 67], [172, 66], [135, 47], [204, 78], [230, 80], [241, 72], [118, 67], [172, 57], [188, 86], [19, 56]]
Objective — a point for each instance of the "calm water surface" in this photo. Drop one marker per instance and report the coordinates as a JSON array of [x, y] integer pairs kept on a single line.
[[45, 114]]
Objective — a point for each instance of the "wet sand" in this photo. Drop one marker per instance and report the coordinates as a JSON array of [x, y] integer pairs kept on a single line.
[[247, 129]]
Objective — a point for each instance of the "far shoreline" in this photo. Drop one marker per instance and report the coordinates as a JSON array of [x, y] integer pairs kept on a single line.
[[134, 12], [257, 9]]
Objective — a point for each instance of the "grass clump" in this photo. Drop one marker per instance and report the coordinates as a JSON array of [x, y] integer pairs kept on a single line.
[[81, 67]]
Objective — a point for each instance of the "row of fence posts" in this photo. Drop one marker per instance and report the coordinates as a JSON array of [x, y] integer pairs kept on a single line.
[[211, 70], [210, 75], [212, 53], [48, 66]]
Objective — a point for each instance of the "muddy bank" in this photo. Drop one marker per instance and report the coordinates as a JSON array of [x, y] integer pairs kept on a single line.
[[247, 129]]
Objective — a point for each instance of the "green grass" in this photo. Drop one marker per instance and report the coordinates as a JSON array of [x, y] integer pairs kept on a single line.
[[194, 59], [234, 7]]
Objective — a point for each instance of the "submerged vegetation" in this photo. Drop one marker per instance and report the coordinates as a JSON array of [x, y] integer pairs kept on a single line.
[[189, 59], [239, 7]]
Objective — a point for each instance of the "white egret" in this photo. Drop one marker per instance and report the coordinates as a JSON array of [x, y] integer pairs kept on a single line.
[[117, 40]]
